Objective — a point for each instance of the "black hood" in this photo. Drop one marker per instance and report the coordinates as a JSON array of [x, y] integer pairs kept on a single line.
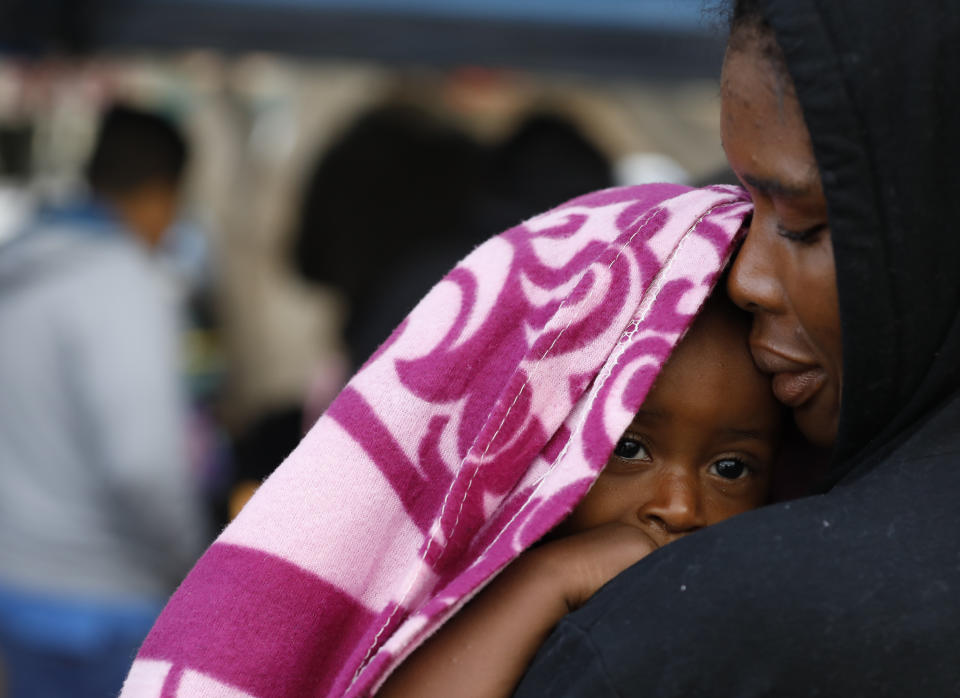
[[880, 94]]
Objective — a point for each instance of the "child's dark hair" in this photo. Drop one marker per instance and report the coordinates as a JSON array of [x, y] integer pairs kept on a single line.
[[750, 30], [134, 148]]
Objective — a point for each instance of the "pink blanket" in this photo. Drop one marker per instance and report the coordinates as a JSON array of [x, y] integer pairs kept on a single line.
[[477, 426]]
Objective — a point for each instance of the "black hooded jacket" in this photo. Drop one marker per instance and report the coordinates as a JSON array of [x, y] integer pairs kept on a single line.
[[855, 591]]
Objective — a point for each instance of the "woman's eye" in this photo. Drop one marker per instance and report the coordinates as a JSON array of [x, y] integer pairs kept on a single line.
[[808, 235], [630, 449], [729, 468]]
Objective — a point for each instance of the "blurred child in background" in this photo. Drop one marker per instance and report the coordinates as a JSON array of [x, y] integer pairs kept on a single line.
[[99, 515]]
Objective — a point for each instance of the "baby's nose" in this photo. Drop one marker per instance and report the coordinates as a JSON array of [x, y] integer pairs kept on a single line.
[[675, 508]]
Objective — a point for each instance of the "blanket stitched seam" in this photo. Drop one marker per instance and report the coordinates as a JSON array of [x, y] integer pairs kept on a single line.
[[443, 507], [415, 574]]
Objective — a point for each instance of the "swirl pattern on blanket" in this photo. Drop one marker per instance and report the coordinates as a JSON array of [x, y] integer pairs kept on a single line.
[[477, 426]]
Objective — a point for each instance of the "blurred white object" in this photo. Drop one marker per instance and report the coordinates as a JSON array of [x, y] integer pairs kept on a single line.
[[646, 168], [16, 207]]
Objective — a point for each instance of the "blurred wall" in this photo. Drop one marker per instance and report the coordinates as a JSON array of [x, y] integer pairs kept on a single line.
[[258, 122]]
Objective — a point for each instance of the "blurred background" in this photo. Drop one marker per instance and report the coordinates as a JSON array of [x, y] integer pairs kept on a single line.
[[340, 157]]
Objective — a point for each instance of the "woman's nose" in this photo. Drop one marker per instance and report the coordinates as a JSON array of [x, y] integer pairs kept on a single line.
[[752, 283], [674, 506]]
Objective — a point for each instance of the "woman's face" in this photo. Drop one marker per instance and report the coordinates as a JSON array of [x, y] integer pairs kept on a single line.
[[784, 273]]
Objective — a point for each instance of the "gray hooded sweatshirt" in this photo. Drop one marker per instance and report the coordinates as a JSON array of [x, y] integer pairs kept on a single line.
[[96, 497]]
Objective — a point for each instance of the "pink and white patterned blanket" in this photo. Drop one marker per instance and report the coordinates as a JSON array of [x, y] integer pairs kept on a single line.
[[477, 426]]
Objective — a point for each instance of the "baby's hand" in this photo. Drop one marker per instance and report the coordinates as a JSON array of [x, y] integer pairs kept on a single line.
[[582, 563]]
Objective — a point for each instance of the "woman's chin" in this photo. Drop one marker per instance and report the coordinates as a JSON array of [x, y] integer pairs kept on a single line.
[[818, 423]]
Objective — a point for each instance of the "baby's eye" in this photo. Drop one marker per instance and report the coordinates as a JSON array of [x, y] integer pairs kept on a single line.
[[631, 449], [729, 468]]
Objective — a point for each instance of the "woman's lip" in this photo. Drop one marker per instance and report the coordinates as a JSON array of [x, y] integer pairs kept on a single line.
[[773, 361], [795, 388], [794, 380]]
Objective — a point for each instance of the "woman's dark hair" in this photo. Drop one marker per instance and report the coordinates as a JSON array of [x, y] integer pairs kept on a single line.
[[749, 29]]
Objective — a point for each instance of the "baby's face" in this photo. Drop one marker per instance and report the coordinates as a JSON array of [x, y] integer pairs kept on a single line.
[[701, 448]]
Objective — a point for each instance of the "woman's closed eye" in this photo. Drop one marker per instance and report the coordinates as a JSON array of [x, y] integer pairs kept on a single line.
[[807, 235], [629, 448]]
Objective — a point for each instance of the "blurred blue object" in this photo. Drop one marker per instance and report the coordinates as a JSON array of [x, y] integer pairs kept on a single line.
[[86, 646], [652, 39], [663, 14]]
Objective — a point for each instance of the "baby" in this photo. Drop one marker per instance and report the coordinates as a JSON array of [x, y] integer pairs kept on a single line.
[[700, 450]]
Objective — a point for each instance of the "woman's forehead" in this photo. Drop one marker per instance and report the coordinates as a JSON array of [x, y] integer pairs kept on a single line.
[[765, 136]]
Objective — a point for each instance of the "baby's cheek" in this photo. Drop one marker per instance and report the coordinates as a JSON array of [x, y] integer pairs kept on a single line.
[[599, 507], [722, 506], [575, 522]]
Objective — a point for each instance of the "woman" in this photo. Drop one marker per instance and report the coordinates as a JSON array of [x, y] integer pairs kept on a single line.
[[840, 119]]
